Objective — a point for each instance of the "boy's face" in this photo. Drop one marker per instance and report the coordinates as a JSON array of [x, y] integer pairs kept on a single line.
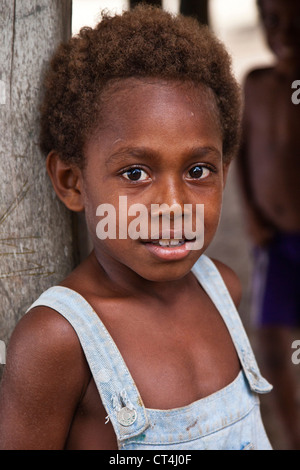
[[281, 20], [157, 142]]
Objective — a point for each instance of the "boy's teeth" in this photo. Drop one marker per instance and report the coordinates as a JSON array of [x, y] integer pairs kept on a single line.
[[172, 242], [164, 242], [175, 242]]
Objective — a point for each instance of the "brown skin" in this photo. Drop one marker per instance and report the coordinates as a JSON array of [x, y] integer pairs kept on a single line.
[[269, 159], [269, 168], [48, 398]]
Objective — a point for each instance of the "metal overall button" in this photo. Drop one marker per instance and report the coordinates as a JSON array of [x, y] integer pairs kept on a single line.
[[126, 416], [125, 411]]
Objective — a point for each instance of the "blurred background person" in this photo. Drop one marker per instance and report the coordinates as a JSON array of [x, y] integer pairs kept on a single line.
[[269, 170]]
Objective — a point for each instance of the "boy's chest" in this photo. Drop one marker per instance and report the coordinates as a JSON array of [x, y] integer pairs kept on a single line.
[[175, 357], [275, 121]]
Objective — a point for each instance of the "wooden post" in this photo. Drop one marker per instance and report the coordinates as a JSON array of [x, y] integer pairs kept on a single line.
[[196, 8], [157, 3], [36, 240], [134, 3]]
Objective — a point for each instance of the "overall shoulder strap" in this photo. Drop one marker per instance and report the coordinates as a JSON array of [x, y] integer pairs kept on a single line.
[[212, 282], [116, 387]]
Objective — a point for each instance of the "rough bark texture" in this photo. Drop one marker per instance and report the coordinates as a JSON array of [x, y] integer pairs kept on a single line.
[[36, 241]]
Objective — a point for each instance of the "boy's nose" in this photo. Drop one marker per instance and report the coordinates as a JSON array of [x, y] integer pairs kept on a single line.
[[171, 193]]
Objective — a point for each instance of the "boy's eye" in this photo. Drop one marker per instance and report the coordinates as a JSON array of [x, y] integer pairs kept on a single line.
[[135, 174], [198, 172]]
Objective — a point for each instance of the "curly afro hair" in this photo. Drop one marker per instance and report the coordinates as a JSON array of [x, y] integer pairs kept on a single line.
[[143, 42]]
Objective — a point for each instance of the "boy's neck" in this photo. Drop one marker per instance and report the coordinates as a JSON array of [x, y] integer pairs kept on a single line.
[[130, 283]]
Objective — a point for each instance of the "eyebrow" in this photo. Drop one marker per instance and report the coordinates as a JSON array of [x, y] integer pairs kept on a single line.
[[145, 153]]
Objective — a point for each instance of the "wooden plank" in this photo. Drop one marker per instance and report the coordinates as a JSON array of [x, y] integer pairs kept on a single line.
[[36, 240]]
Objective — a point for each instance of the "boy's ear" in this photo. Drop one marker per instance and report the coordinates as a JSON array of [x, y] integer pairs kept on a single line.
[[67, 181]]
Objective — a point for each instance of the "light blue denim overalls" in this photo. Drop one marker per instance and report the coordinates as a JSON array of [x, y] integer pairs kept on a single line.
[[228, 419]]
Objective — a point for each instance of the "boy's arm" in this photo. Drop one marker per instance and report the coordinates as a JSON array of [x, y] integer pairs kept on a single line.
[[45, 377], [258, 228]]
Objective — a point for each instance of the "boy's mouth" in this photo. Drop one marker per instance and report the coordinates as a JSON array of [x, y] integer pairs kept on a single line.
[[169, 249]]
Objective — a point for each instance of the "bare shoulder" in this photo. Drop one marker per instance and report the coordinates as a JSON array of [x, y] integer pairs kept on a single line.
[[257, 79], [255, 75], [44, 379], [44, 332], [231, 281]]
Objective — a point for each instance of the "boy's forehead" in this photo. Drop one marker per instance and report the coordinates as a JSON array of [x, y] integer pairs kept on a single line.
[[136, 91], [135, 110], [121, 87]]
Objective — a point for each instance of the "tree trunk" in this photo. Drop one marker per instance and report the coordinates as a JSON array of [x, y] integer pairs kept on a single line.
[[36, 240]]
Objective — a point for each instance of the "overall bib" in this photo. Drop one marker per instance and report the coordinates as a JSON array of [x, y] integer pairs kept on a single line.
[[229, 419]]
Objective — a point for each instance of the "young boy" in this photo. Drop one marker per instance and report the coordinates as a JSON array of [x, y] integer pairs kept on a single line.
[[269, 166], [141, 347]]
